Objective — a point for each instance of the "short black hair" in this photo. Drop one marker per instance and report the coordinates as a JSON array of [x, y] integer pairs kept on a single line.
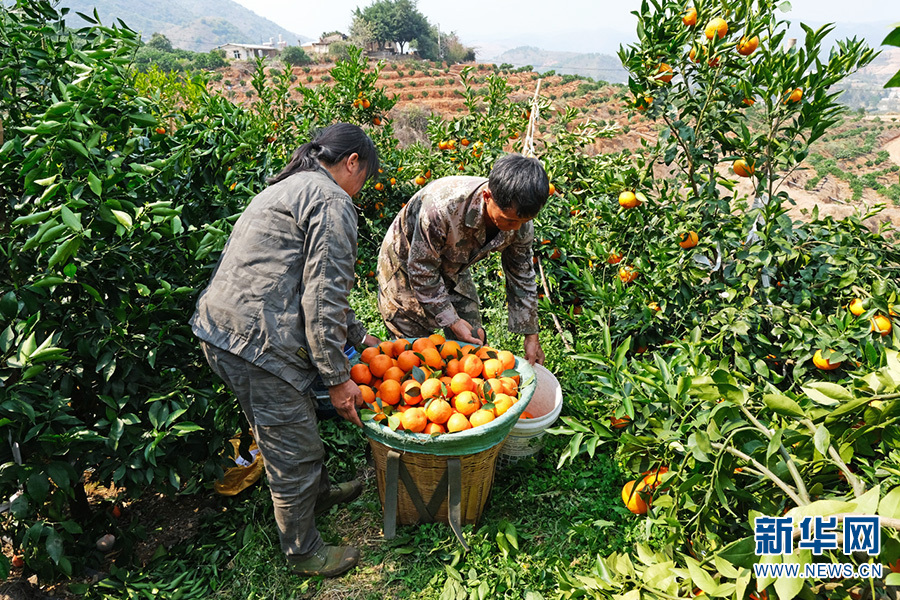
[[520, 183]]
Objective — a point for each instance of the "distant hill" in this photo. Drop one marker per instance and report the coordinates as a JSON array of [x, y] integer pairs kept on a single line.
[[198, 25], [601, 67]]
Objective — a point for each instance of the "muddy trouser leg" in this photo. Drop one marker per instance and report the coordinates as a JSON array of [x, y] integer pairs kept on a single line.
[[283, 422]]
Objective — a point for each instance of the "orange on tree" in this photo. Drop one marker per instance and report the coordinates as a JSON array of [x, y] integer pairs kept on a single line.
[[628, 199], [654, 306], [414, 419], [552, 189], [482, 416], [627, 274], [620, 423], [458, 422], [379, 186], [793, 96], [689, 239], [466, 403], [690, 17], [614, 259], [420, 180], [823, 363], [644, 103], [742, 168], [717, 27], [749, 101], [747, 46], [856, 307], [631, 496], [881, 324], [664, 73]]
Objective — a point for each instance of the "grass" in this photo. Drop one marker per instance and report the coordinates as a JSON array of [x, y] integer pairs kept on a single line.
[[558, 519]]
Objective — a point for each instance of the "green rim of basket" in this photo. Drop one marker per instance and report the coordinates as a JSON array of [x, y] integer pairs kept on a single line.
[[460, 443]]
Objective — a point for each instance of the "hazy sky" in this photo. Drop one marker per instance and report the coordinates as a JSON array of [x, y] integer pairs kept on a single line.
[[577, 25]]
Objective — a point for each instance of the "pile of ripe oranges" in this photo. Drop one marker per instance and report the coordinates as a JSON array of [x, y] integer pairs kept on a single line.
[[434, 386]]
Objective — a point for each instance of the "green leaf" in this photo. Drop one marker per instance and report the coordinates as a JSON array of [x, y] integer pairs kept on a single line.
[[95, 184], [71, 219], [9, 305], [78, 147], [822, 440], [889, 507], [54, 546], [38, 485], [826, 394], [783, 405], [123, 218], [699, 576], [892, 579]]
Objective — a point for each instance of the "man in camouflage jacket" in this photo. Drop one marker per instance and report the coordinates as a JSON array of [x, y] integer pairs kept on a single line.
[[424, 281]]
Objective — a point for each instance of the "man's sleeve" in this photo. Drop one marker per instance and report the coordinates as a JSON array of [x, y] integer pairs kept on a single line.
[[521, 288], [327, 279], [424, 268]]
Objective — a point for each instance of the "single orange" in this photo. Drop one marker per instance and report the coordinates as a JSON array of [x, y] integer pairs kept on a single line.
[[434, 429], [389, 391], [472, 365], [400, 346], [620, 423], [387, 347], [480, 417], [466, 402], [486, 352], [856, 307], [395, 373], [742, 168], [369, 353], [446, 381], [823, 363], [432, 358], [493, 368], [461, 382], [380, 364], [690, 17], [526, 415], [438, 410], [431, 388], [631, 496], [510, 386], [664, 73], [688, 240], [458, 422], [414, 419], [412, 391], [628, 199], [452, 367], [422, 343], [748, 46], [716, 28], [449, 349], [614, 259], [628, 274], [493, 387], [881, 324], [368, 394], [793, 96], [407, 360], [467, 349], [502, 403], [436, 339], [507, 359], [360, 373]]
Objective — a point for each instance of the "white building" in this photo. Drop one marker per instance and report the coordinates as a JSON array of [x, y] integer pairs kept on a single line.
[[252, 51]]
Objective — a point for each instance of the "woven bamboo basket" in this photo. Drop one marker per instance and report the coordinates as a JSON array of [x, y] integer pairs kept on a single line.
[[429, 473]]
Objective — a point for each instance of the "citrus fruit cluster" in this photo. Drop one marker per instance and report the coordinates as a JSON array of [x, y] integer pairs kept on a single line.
[[879, 323], [638, 493], [434, 386]]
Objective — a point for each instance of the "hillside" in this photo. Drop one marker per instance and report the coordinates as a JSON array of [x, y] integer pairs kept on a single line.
[[855, 165], [596, 66], [187, 23]]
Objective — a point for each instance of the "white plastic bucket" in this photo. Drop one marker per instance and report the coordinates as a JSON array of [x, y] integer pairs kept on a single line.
[[525, 437]]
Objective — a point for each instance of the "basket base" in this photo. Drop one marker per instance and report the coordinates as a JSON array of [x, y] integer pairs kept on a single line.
[[421, 488]]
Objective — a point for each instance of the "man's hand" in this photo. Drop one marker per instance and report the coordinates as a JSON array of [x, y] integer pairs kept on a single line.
[[346, 397], [464, 332], [533, 352], [371, 340]]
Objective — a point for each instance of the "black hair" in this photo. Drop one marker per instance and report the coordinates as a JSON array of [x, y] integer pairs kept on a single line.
[[329, 147], [520, 183]]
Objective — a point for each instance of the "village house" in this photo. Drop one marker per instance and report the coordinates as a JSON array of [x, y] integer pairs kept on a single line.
[[235, 51]]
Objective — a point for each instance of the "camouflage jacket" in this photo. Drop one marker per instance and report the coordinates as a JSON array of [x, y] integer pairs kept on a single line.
[[279, 296], [430, 246]]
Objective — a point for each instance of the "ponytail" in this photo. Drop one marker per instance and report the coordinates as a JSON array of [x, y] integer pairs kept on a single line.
[[329, 147]]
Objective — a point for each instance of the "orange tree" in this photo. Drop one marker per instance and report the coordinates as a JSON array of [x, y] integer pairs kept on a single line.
[[703, 354]]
